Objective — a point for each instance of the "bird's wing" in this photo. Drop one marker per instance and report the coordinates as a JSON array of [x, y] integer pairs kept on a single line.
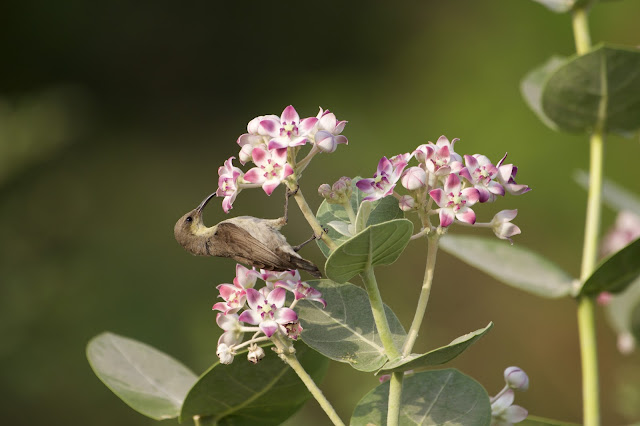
[[243, 247]]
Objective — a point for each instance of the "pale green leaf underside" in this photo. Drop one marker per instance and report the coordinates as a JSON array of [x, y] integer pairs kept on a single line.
[[345, 330], [616, 272], [437, 356], [149, 381], [442, 397], [245, 394], [513, 265], [602, 85], [531, 87], [379, 244]]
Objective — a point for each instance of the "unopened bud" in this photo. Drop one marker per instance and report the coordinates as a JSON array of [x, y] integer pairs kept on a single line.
[[516, 378], [324, 190], [406, 203], [225, 353], [256, 353]]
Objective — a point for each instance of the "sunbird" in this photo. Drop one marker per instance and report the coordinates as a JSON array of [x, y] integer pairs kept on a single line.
[[246, 239]]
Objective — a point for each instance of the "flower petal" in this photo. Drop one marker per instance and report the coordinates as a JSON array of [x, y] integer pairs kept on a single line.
[[446, 217], [466, 215]]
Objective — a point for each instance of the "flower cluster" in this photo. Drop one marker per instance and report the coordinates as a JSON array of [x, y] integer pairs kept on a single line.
[[263, 308], [453, 182], [272, 144], [503, 412]]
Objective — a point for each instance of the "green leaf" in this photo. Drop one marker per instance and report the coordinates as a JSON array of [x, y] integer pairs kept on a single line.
[[616, 272], [513, 265], [382, 210], [603, 84], [379, 244], [531, 87], [345, 330], [442, 397], [242, 393], [541, 421], [437, 356], [613, 195], [147, 380]]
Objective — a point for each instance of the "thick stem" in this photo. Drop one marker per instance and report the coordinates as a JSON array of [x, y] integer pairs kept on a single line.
[[586, 305], [293, 362], [379, 317], [432, 250], [395, 398]]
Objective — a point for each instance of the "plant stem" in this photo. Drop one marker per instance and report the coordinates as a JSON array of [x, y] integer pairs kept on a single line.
[[432, 250], [395, 398], [293, 362], [379, 317], [586, 305], [311, 218]]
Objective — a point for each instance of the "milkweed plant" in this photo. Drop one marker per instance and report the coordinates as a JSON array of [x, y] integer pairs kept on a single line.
[[280, 329]]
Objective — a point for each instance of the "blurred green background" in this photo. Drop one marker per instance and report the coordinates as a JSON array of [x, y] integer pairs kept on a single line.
[[115, 116]]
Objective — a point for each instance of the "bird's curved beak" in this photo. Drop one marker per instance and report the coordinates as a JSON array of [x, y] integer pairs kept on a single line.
[[204, 203]]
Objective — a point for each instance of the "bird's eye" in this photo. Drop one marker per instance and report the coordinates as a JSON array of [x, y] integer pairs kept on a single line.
[[189, 219]]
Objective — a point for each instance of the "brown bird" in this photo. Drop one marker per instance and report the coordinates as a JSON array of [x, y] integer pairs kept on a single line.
[[246, 239]]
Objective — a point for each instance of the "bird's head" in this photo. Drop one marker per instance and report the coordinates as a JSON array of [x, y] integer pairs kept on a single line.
[[190, 226]]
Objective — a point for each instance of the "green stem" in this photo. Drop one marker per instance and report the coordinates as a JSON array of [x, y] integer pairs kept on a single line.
[[581, 31], [311, 218], [379, 317], [395, 398], [293, 362], [586, 305], [349, 209], [432, 250]]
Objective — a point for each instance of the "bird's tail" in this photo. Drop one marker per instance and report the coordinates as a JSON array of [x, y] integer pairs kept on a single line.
[[305, 265]]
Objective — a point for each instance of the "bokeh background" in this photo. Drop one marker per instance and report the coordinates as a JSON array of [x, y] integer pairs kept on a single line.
[[114, 117]]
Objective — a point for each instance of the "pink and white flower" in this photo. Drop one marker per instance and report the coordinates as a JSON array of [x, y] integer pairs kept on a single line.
[[228, 185], [288, 130], [454, 202], [502, 226], [328, 132], [267, 311], [384, 180], [406, 203], [235, 295], [233, 333], [506, 176], [272, 168], [256, 136], [302, 290], [439, 162], [481, 173], [271, 277]]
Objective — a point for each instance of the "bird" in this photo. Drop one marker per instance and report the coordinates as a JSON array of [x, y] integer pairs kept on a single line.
[[249, 240]]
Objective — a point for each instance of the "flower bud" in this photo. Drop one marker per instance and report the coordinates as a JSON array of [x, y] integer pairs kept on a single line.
[[256, 353], [406, 203], [225, 353], [516, 378], [414, 178], [324, 190]]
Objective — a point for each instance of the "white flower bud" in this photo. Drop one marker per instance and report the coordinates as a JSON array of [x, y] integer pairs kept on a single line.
[[225, 354], [516, 378]]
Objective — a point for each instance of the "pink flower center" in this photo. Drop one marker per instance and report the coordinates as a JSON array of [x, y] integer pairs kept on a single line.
[[266, 311], [456, 201], [289, 130], [271, 169]]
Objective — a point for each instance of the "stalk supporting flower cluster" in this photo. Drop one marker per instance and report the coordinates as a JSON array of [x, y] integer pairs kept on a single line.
[[586, 304]]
